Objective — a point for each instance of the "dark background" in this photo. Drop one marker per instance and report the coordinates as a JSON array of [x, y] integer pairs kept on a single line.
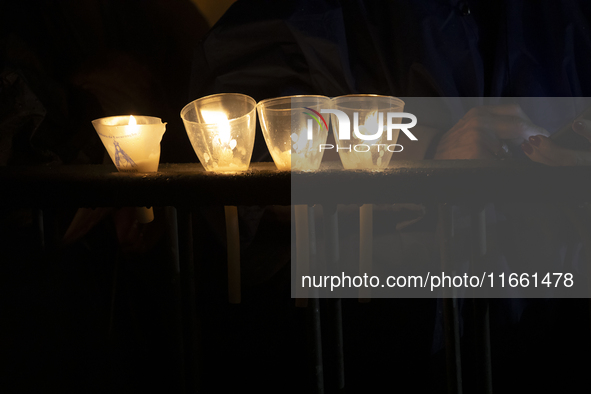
[[100, 313]]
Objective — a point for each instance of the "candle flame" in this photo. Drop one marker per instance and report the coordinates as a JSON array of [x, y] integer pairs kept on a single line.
[[223, 127], [132, 127]]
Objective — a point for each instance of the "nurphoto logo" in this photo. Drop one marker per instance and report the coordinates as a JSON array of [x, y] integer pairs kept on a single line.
[[374, 122]]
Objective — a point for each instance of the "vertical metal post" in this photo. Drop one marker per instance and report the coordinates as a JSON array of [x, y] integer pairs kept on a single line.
[[233, 250], [173, 246], [334, 308], [302, 252], [315, 344], [188, 294], [313, 312], [451, 324], [113, 297], [365, 247], [482, 349]]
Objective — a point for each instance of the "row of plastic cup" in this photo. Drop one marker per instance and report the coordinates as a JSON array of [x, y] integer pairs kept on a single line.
[[221, 128]]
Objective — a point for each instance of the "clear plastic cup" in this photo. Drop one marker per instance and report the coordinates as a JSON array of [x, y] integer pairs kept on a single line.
[[221, 128], [288, 123], [366, 112]]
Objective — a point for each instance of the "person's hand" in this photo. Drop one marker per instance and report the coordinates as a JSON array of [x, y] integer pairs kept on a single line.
[[543, 150], [483, 131]]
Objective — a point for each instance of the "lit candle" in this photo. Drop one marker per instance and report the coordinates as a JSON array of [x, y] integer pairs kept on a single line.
[[133, 143], [223, 143], [221, 128]]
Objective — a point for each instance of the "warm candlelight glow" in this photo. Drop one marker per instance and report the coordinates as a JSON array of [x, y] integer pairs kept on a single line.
[[221, 129], [133, 143], [224, 137], [132, 127]]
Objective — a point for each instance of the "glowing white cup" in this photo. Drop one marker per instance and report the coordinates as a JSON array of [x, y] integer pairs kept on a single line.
[[133, 143], [221, 128]]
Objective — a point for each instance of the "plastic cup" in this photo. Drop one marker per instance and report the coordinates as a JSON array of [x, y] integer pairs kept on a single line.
[[221, 128], [286, 123], [133, 142], [366, 112]]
